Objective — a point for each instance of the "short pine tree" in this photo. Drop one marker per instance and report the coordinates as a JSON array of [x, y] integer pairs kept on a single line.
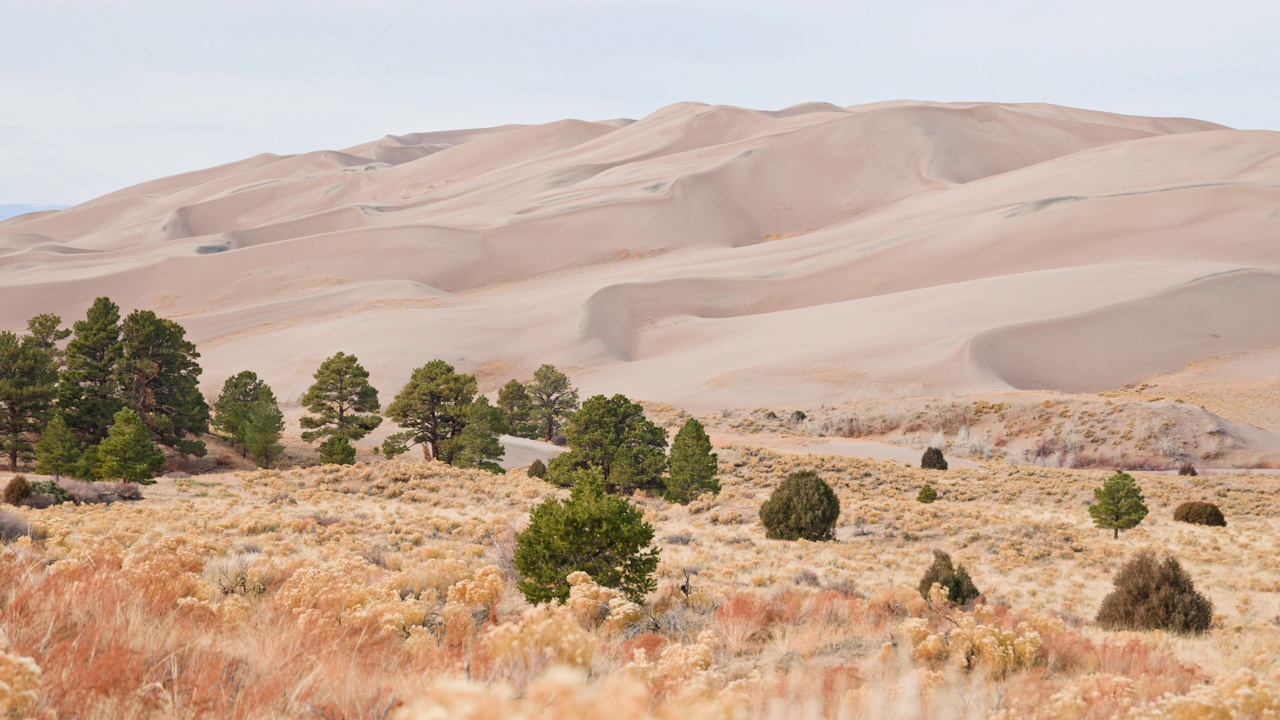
[[1118, 504], [693, 465], [802, 507], [602, 535], [609, 431], [432, 409], [517, 410], [1154, 593], [263, 427], [231, 409], [933, 460], [478, 445], [553, 398], [954, 580], [337, 450], [28, 384], [927, 494], [537, 469], [128, 453], [342, 400], [57, 451]]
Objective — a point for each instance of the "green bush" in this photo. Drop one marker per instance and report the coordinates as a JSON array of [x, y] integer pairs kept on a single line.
[[802, 506], [602, 535], [337, 450], [1200, 513], [954, 580], [17, 490], [927, 494], [51, 490], [537, 469], [933, 460], [1155, 594]]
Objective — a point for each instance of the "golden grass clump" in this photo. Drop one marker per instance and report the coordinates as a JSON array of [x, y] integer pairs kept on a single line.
[[19, 680]]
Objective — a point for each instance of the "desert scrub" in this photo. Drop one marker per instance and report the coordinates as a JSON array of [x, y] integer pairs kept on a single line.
[[802, 507], [19, 681], [933, 460], [954, 581], [17, 491], [1155, 594], [1200, 513]]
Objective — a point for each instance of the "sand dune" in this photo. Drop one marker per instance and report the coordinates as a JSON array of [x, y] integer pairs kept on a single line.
[[706, 256]]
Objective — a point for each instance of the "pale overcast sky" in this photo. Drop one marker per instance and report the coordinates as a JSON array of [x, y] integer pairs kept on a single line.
[[98, 95]]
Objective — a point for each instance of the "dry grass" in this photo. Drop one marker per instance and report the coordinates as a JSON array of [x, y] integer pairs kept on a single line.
[[386, 590]]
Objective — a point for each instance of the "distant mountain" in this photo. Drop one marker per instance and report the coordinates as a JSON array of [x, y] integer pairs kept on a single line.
[[8, 211]]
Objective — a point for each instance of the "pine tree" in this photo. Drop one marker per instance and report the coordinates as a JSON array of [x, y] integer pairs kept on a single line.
[[602, 535], [57, 452], [803, 506], [342, 399], [954, 580], [28, 384], [46, 332], [478, 445], [128, 453], [1118, 504], [432, 409], [608, 431], [89, 392], [517, 410], [337, 450], [927, 494], [159, 377], [553, 398], [263, 427], [693, 465], [231, 409]]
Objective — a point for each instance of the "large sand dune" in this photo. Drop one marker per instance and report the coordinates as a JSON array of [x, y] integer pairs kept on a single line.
[[705, 256]]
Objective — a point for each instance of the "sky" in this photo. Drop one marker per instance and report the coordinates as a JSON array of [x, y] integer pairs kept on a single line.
[[96, 96]]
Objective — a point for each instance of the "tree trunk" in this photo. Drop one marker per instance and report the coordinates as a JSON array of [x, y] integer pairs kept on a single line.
[[1117, 533], [426, 451]]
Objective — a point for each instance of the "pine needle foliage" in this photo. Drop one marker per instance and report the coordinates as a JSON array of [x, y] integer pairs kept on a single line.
[[128, 453], [803, 506], [342, 401], [927, 494], [602, 535], [953, 579], [1118, 504], [57, 452], [933, 459], [693, 465], [337, 450]]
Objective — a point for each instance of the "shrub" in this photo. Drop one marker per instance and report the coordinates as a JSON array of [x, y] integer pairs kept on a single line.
[[17, 490], [55, 493], [537, 469], [1155, 594], [1200, 513], [1187, 469], [954, 580], [602, 535], [927, 494], [13, 527], [933, 460], [802, 506], [337, 450], [1118, 504]]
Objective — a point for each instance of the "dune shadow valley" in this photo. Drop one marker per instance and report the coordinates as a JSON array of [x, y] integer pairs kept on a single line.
[[899, 410]]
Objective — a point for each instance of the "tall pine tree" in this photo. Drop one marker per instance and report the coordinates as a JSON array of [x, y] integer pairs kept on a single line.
[[89, 392], [432, 409], [342, 399], [28, 384], [693, 465], [231, 409], [159, 376]]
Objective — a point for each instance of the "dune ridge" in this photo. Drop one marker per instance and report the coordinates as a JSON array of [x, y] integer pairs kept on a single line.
[[706, 256]]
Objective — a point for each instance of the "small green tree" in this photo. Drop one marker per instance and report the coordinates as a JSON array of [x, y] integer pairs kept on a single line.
[[337, 450], [1118, 504], [89, 389], [478, 445], [342, 399], [517, 410], [263, 427], [602, 535], [537, 469], [612, 435], [802, 506], [159, 375], [933, 459], [432, 409], [553, 398], [231, 409], [57, 452], [954, 580], [693, 465], [927, 494], [128, 453]]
